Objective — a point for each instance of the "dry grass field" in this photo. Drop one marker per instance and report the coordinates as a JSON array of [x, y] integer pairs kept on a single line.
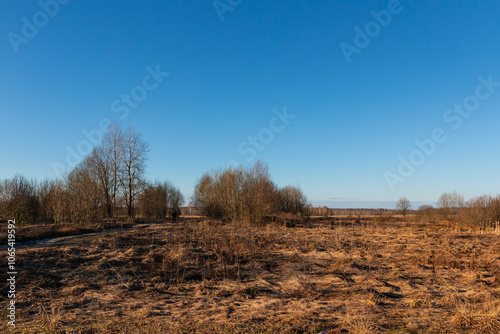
[[335, 275]]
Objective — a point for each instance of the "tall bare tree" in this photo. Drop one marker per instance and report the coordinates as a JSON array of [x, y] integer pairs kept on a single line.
[[133, 154], [112, 144]]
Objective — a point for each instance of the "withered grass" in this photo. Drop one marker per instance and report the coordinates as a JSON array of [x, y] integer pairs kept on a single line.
[[331, 275]]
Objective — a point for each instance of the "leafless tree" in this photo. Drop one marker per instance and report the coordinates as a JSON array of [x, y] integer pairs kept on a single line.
[[18, 198], [53, 198], [100, 169], [260, 195], [159, 200], [175, 199], [238, 194], [292, 200], [86, 201], [133, 154], [205, 197], [403, 205], [112, 144], [482, 211], [450, 204], [153, 202]]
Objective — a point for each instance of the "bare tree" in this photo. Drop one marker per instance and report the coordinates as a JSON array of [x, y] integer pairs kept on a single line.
[[153, 202], [159, 200], [19, 199], [133, 162], [175, 199], [53, 198], [292, 200], [86, 201], [403, 205], [99, 167], [205, 197], [261, 193], [450, 204], [112, 144], [237, 194]]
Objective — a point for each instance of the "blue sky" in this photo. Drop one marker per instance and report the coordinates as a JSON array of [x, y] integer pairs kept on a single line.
[[233, 68]]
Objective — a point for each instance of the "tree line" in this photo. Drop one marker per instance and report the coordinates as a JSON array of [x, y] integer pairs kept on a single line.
[[478, 212], [109, 181]]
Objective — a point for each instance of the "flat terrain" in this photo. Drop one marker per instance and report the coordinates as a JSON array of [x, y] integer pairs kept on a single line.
[[332, 275]]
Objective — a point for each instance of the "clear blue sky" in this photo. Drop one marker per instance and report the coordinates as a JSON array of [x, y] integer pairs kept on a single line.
[[231, 66]]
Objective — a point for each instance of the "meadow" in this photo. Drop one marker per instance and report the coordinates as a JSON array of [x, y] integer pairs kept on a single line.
[[364, 274]]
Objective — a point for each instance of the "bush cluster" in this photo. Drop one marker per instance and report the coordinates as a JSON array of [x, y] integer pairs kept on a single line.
[[479, 212], [246, 195]]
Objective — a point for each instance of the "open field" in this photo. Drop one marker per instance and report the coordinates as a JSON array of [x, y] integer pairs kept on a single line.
[[329, 274]]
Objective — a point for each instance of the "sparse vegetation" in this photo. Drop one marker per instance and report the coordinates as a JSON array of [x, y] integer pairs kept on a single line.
[[481, 212], [245, 195], [450, 205], [204, 276]]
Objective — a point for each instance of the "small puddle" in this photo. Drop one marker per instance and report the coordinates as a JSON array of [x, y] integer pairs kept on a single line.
[[33, 242]]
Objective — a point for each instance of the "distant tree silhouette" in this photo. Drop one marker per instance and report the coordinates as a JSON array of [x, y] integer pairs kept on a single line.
[[403, 205]]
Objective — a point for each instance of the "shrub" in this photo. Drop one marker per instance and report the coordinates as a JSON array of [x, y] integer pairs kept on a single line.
[[427, 212], [246, 195], [237, 194], [482, 212], [292, 200], [159, 200], [450, 205], [85, 199], [18, 199]]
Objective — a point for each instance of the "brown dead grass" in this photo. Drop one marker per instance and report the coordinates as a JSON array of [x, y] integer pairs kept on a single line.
[[35, 232], [206, 277]]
